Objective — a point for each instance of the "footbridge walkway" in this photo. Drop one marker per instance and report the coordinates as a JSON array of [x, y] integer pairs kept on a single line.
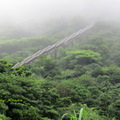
[[55, 46]]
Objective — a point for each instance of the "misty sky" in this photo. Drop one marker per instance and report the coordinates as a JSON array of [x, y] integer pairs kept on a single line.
[[34, 11]]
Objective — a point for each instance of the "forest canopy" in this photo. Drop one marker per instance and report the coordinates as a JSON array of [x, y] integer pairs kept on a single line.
[[85, 76]]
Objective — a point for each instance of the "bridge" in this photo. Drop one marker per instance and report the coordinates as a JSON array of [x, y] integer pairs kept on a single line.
[[54, 47]]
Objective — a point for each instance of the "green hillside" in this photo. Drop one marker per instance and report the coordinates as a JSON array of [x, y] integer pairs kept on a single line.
[[16, 44], [85, 76]]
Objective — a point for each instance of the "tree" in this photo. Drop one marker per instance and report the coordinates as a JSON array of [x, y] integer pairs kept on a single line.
[[3, 117], [46, 67], [21, 71], [4, 66], [104, 100], [80, 57], [114, 109]]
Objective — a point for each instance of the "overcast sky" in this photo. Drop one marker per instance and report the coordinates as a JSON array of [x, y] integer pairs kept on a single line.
[[33, 11]]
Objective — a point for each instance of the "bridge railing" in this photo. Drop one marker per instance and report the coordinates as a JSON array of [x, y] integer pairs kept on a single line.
[[53, 47]]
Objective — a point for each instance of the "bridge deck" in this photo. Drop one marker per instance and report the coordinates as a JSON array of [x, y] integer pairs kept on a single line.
[[53, 47]]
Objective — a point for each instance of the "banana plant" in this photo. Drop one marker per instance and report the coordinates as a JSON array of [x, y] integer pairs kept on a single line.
[[82, 115]]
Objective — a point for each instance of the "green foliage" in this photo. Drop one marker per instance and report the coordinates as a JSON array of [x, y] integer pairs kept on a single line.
[[87, 74], [32, 113], [46, 67], [4, 66], [22, 71], [84, 114], [81, 57], [3, 117], [114, 109], [87, 80], [16, 50], [104, 101], [3, 107]]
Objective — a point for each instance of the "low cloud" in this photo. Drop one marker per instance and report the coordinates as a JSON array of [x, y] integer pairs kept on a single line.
[[30, 12]]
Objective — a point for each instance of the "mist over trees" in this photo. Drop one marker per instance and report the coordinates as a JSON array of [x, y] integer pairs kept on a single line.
[[85, 75]]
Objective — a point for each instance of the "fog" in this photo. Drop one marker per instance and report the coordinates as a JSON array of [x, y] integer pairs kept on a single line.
[[26, 13]]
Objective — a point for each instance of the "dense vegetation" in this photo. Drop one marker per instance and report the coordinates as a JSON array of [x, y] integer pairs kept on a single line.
[[85, 76], [17, 43]]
